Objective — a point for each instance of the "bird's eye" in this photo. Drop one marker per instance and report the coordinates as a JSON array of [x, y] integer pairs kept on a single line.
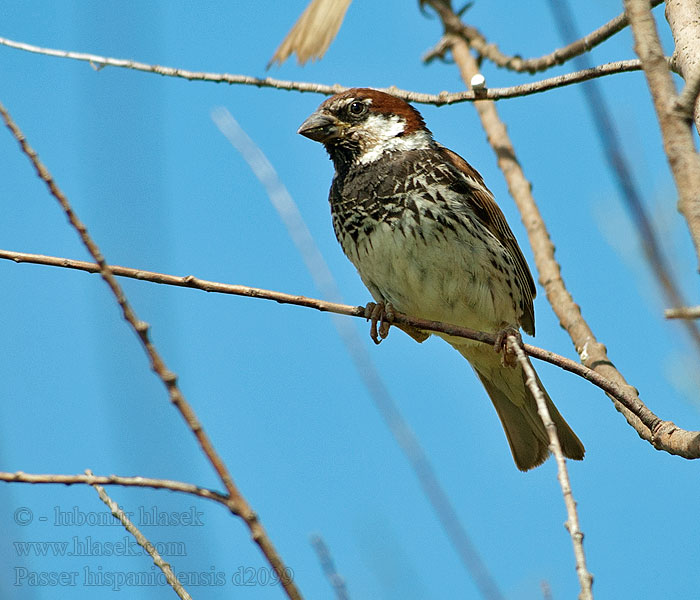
[[357, 109]]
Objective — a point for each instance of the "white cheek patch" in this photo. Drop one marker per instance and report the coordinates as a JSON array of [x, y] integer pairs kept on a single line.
[[382, 133], [384, 127]]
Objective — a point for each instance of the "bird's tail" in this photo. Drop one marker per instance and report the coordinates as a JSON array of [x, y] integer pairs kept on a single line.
[[517, 409]]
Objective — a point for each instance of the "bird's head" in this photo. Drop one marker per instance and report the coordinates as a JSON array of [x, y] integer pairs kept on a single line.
[[360, 125]]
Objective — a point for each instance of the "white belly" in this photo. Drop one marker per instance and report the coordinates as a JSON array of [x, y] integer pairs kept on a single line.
[[442, 277]]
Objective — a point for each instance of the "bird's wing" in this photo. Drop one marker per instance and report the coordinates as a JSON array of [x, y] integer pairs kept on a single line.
[[491, 217]]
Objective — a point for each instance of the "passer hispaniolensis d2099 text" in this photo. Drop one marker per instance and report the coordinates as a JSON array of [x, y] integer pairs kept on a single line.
[[428, 239]]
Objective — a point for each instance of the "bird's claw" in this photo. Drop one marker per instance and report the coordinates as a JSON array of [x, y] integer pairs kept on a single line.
[[501, 345], [380, 315]]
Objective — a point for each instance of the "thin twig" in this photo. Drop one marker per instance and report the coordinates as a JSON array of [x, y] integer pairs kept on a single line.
[[572, 523], [141, 539], [525, 89], [622, 172], [324, 557], [661, 434], [478, 42], [670, 438], [678, 141], [168, 378], [683, 312], [99, 62], [141, 482], [440, 99], [402, 433]]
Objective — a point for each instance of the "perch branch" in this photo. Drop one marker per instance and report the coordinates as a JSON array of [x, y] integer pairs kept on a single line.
[[669, 437]]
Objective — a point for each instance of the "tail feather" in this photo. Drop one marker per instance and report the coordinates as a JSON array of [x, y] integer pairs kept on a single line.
[[517, 410], [527, 445]]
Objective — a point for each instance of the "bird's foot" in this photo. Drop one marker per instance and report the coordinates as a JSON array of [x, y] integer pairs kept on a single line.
[[380, 315], [501, 345]]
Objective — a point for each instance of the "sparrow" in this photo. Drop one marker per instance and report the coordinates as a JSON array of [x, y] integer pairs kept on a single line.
[[428, 239]]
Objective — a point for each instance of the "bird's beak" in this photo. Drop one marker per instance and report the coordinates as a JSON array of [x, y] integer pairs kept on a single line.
[[320, 127]]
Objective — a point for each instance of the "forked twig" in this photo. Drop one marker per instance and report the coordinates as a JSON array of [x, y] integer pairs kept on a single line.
[[168, 378], [490, 51], [141, 539]]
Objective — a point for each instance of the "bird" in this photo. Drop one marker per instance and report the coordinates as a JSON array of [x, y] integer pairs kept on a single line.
[[428, 239]]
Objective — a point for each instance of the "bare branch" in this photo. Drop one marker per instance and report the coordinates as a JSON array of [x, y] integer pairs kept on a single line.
[[684, 312], [623, 174], [478, 42], [440, 99], [525, 89], [572, 524], [682, 16], [675, 128], [666, 436], [102, 61], [141, 539], [661, 434], [168, 378], [143, 482]]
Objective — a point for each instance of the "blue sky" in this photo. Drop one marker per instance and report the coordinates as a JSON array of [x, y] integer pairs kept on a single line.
[[160, 188]]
